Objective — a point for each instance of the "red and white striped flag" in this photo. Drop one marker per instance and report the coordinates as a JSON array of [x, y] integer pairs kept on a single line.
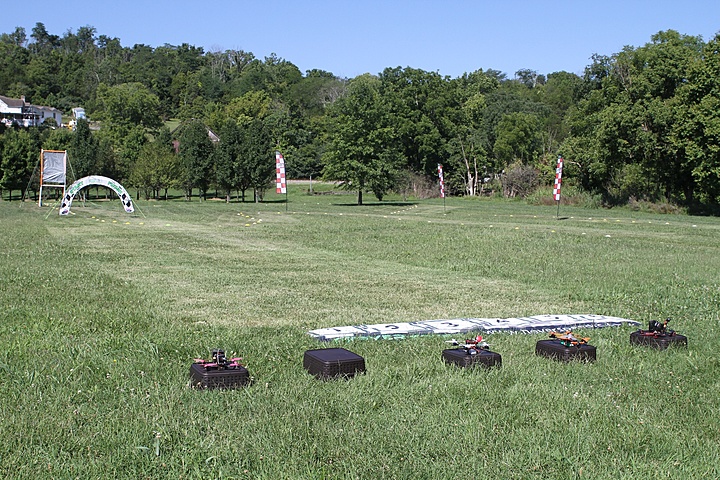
[[442, 181], [280, 185], [558, 179]]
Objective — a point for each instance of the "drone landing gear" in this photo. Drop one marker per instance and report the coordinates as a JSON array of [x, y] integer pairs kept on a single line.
[[482, 357], [658, 335]]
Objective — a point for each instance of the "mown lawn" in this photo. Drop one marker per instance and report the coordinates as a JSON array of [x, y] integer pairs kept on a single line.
[[103, 313]]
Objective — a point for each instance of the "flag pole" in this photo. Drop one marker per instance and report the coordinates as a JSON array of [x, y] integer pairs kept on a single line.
[[558, 183], [280, 178], [442, 184]]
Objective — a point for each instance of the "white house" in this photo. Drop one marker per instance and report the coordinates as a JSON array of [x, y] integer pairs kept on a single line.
[[20, 112], [78, 112], [43, 113], [12, 110]]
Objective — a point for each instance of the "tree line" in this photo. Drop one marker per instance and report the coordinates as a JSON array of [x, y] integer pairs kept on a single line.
[[640, 124]]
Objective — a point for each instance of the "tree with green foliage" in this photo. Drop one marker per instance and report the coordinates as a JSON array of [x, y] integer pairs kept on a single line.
[[128, 104], [83, 150], [303, 144], [468, 155], [18, 157], [43, 42], [156, 166], [560, 93], [14, 58], [639, 123], [127, 150], [186, 95], [313, 92], [109, 163], [243, 109], [362, 151], [228, 160], [57, 139], [517, 138], [258, 160], [697, 130], [626, 133], [419, 103], [196, 158], [518, 108], [106, 63]]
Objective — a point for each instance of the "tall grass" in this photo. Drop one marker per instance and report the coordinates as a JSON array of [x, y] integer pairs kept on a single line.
[[102, 314]]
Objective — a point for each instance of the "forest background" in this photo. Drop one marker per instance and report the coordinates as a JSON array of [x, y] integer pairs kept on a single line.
[[640, 125]]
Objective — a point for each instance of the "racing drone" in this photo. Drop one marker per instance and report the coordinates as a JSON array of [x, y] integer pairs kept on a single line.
[[219, 361], [471, 346], [657, 329], [567, 339]]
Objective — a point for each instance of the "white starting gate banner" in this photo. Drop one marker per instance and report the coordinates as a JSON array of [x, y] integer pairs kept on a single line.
[[96, 180], [538, 323]]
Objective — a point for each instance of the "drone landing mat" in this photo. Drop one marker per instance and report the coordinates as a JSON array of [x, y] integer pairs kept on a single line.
[[556, 350], [659, 342], [327, 363], [459, 357]]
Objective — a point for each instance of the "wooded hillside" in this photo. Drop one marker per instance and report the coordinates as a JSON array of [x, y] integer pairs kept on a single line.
[[640, 124]]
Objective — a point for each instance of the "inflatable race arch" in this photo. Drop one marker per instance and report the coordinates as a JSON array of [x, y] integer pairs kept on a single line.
[[96, 180]]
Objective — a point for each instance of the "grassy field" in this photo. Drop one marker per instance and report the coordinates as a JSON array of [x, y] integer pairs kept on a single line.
[[103, 312]]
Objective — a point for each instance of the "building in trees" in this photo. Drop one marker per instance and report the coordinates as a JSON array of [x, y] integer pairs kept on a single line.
[[19, 112]]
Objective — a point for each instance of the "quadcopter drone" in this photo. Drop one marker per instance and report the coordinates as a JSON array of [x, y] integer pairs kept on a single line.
[[219, 361], [657, 329], [471, 346], [567, 339]]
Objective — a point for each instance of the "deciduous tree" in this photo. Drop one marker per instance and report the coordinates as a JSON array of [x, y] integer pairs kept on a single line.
[[229, 171], [196, 154], [18, 157], [362, 153]]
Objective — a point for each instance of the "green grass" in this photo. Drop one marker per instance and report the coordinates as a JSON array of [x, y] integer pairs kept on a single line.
[[103, 312]]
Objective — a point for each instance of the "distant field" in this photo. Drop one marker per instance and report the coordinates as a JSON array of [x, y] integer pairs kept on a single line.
[[103, 313], [172, 124]]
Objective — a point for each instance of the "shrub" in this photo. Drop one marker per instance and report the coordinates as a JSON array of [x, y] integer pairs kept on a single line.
[[419, 186], [570, 195], [519, 180], [661, 206]]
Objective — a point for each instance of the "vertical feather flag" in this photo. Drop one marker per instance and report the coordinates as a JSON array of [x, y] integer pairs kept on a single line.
[[280, 185], [442, 181], [558, 179]]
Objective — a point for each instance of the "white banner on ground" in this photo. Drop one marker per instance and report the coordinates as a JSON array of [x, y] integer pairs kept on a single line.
[[537, 323]]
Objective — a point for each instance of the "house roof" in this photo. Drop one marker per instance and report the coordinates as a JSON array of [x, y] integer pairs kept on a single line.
[[12, 102], [52, 109], [22, 105]]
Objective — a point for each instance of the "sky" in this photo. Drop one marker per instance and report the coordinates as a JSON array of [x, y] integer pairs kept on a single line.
[[349, 38]]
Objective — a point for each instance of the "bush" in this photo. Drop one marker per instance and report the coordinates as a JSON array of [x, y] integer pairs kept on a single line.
[[570, 195], [662, 206], [519, 180], [419, 186]]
